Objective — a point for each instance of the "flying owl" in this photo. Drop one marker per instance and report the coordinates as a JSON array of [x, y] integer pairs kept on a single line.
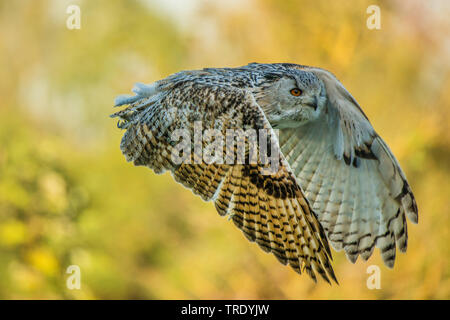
[[336, 181]]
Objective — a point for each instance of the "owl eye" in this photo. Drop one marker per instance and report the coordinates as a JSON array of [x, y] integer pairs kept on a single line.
[[296, 92]]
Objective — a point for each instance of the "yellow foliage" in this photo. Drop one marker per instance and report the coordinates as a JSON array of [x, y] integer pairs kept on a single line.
[[43, 260], [12, 232]]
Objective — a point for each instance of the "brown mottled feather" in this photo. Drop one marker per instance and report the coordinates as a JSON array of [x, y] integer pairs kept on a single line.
[[269, 209]]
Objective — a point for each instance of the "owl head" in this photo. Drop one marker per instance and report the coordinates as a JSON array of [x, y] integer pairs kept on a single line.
[[292, 98]]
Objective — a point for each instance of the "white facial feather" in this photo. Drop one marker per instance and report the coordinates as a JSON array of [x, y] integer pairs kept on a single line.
[[285, 110]]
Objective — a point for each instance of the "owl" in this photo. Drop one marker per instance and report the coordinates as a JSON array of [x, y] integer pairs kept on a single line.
[[335, 181]]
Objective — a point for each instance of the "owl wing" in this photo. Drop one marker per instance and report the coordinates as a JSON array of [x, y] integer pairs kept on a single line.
[[268, 208], [351, 178]]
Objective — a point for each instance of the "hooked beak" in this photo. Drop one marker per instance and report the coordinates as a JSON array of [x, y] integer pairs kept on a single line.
[[312, 104]]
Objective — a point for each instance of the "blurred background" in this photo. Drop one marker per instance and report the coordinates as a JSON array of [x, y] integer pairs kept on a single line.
[[68, 197]]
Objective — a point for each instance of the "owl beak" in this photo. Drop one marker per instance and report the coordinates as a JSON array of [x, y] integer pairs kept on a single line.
[[312, 104]]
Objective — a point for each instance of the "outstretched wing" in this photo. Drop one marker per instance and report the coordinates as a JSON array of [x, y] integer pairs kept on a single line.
[[269, 208], [351, 178]]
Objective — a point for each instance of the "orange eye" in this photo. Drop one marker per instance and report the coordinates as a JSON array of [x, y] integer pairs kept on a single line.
[[296, 92]]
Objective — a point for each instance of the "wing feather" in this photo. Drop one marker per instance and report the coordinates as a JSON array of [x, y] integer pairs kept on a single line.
[[270, 209], [351, 177]]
